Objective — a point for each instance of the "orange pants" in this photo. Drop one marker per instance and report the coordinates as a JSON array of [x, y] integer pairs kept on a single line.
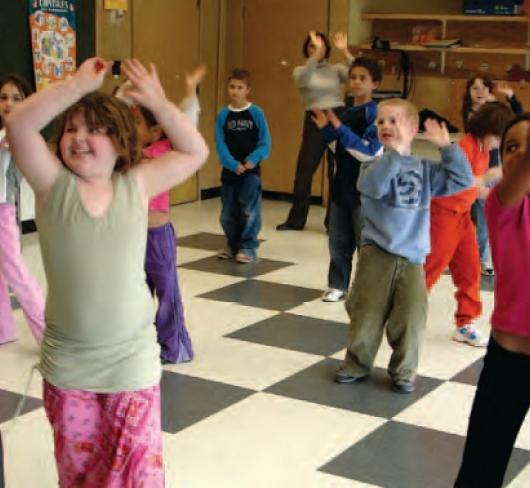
[[454, 244]]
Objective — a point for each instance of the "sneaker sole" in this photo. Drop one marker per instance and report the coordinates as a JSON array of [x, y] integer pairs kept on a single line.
[[349, 379], [403, 391], [463, 340], [331, 300]]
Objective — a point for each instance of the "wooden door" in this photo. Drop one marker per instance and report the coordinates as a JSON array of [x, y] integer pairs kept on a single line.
[[166, 33], [274, 31]]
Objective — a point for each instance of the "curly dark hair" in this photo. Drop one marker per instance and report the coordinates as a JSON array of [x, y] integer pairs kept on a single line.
[[370, 65]]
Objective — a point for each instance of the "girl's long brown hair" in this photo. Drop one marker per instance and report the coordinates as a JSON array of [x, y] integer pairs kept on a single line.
[[102, 110], [467, 103]]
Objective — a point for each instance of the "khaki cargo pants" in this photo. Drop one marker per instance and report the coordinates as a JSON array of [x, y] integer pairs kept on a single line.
[[387, 290]]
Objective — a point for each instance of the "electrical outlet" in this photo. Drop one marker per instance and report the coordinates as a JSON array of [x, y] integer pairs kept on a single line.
[[381, 63], [484, 67], [432, 64], [459, 64]]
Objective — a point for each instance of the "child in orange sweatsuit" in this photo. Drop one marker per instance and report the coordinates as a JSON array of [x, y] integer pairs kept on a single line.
[[453, 236]]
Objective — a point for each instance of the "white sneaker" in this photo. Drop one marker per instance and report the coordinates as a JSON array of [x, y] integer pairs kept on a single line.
[[332, 295], [487, 269], [470, 335]]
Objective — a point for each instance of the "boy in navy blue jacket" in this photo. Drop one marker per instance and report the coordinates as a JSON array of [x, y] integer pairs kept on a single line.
[[389, 286], [243, 141], [356, 136]]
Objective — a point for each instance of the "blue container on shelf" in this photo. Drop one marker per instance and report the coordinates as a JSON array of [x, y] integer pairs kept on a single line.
[[491, 7]]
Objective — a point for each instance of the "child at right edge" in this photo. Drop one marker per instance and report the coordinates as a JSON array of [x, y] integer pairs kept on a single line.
[[389, 286]]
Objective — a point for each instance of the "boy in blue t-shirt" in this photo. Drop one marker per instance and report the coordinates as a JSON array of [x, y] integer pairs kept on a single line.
[[357, 142], [242, 140]]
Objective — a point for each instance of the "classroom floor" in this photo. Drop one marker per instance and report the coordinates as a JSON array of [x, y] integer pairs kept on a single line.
[[257, 407]]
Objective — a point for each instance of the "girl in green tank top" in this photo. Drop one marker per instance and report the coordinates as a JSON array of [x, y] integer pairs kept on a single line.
[[100, 359]]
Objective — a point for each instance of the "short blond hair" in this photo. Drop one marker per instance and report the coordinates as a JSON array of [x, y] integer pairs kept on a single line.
[[407, 107]]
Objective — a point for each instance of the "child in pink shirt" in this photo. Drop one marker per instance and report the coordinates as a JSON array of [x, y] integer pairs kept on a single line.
[[502, 398]]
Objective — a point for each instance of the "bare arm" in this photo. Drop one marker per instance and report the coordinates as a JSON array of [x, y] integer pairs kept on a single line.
[[30, 151], [190, 150]]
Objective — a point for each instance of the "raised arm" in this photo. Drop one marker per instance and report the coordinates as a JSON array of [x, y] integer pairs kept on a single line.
[[302, 74], [453, 174], [365, 147], [375, 177], [190, 104], [340, 39], [30, 151], [190, 150]]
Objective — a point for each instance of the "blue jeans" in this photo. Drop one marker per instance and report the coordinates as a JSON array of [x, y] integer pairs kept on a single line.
[[241, 213], [477, 213], [344, 238]]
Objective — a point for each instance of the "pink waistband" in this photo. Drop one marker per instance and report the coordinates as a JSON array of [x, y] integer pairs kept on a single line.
[[160, 203]]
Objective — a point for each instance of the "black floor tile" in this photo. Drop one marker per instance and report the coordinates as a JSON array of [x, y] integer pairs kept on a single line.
[[187, 400], [9, 403], [398, 455], [297, 333], [232, 268], [263, 294], [204, 240], [471, 374], [372, 396]]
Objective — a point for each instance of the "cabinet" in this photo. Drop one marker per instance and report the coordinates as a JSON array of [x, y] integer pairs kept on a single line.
[[491, 44]]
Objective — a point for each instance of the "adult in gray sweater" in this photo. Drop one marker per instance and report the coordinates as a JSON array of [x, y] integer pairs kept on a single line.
[[319, 83]]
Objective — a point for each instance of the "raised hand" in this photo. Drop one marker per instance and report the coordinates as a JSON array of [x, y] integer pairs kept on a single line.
[[437, 133], [340, 39], [319, 118], [194, 78], [333, 119], [91, 73], [146, 88], [504, 88], [317, 41]]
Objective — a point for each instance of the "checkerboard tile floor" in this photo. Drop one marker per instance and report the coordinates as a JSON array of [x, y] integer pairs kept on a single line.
[[258, 407]]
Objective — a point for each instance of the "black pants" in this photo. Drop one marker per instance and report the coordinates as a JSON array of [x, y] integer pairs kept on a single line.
[[344, 239], [501, 403], [311, 151]]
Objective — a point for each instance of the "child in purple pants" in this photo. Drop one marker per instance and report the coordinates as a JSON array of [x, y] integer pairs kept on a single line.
[[161, 250]]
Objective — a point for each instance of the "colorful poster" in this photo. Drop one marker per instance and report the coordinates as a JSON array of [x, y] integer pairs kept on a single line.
[[52, 26]]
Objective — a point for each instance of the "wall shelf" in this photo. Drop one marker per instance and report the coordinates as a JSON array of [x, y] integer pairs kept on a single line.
[[492, 44], [461, 49], [446, 17]]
